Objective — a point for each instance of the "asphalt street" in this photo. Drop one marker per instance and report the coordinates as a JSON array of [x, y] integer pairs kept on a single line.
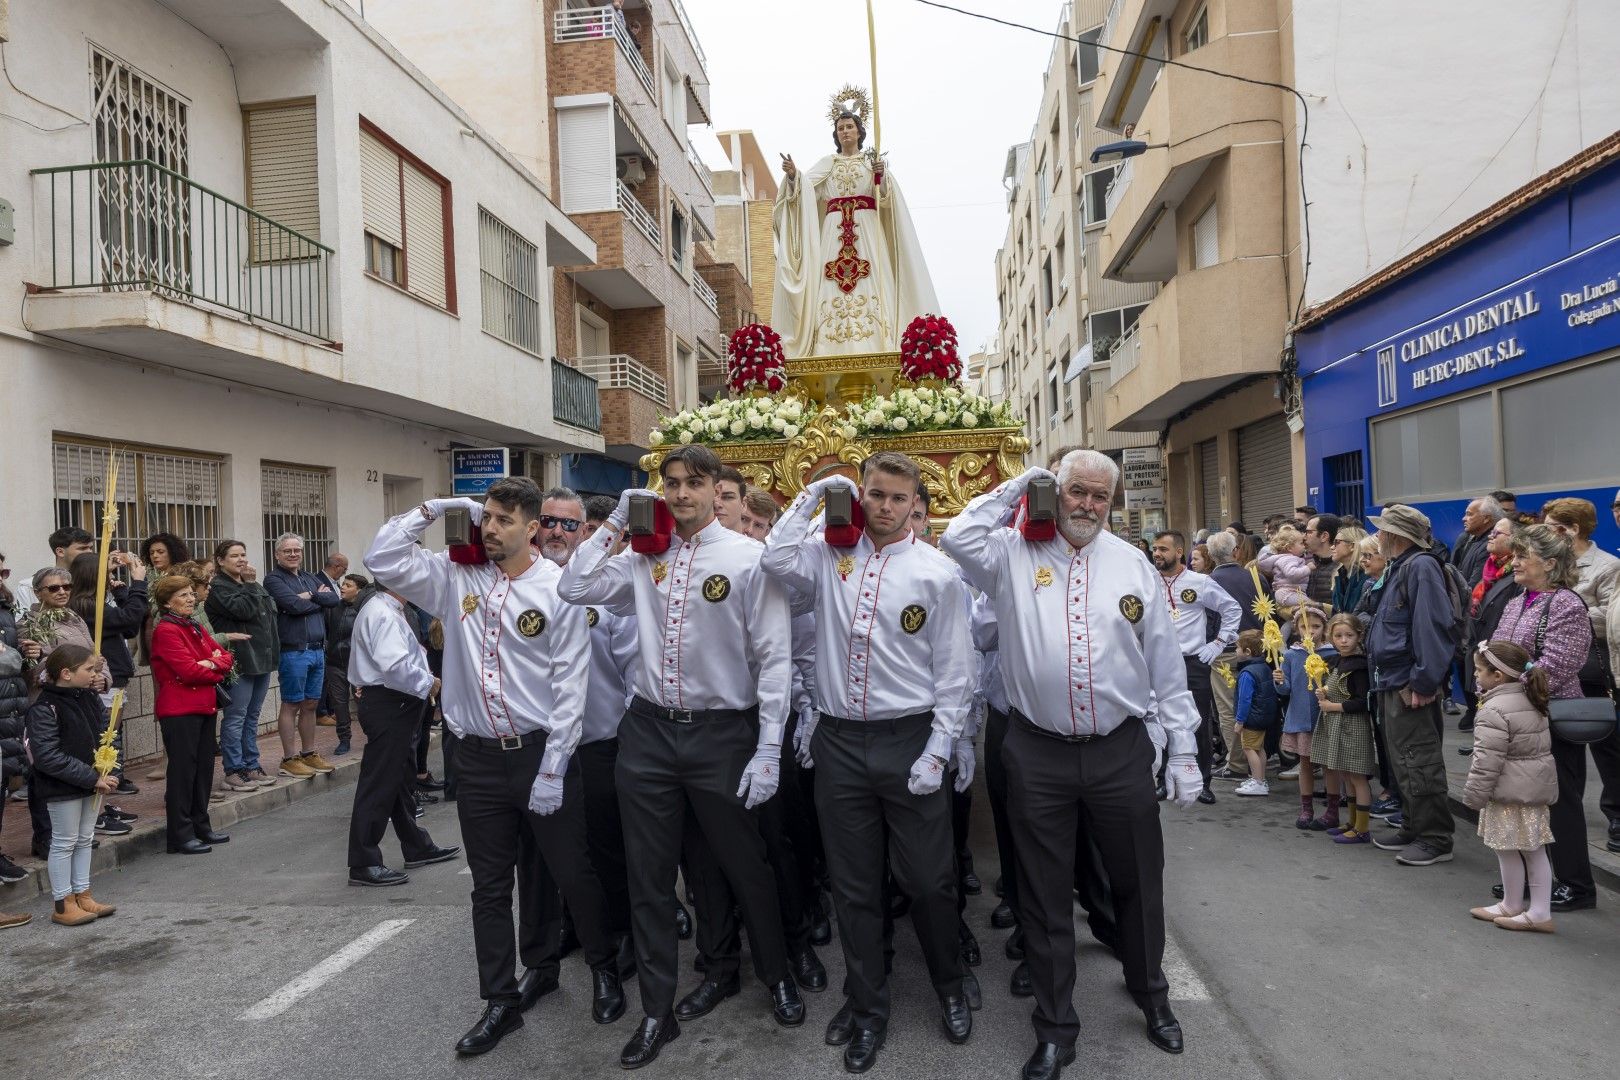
[[1290, 957]]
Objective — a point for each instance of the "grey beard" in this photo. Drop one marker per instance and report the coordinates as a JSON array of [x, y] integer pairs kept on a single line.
[[1081, 533]]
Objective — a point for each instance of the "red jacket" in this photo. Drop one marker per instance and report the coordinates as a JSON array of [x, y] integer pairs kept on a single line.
[[183, 686]]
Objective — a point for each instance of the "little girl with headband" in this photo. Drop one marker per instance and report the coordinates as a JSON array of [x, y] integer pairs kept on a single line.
[[1512, 781]]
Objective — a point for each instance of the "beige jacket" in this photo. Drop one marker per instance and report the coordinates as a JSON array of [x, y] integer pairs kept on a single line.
[[1513, 760]]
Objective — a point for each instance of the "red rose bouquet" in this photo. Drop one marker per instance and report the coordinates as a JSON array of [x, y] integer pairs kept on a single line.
[[928, 350], [754, 360]]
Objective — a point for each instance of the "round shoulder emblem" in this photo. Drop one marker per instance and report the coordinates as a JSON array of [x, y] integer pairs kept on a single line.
[[912, 617], [591, 616], [1189, 596], [531, 623], [1130, 606], [716, 588]]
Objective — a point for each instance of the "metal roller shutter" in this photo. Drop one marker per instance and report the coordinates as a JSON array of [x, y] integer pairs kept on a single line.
[[1265, 471], [1209, 484], [424, 237], [283, 178], [379, 190]]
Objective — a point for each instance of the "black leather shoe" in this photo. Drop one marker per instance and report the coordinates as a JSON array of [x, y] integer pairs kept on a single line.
[[1613, 843], [209, 836], [496, 1023], [1207, 797], [1001, 885], [842, 1025], [376, 875], [607, 996], [808, 971], [1002, 917], [425, 798], [971, 991], [968, 944], [702, 1001], [1047, 1062], [1566, 899], [435, 855], [428, 784], [971, 884], [1163, 1030], [862, 1051], [956, 1018], [650, 1037], [820, 929], [533, 986], [786, 1006], [1021, 984], [190, 847], [683, 922], [1015, 946]]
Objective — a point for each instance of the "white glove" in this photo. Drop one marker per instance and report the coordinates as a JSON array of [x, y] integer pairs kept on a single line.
[[926, 775], [817, 491], [1209, 652], [436, 508], [760, 778], [546, 796], [1159, 739], [1013, 489], [801, 736], [621, 513], [1182, 779], [962, 751]]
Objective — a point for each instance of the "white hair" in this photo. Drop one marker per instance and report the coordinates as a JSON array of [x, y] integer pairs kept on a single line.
[[284, 537], [1490, 508], [1222, 546], [1089, 461]]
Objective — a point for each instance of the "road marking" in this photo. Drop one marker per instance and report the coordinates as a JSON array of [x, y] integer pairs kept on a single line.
[[323, 972], [1185, 982]]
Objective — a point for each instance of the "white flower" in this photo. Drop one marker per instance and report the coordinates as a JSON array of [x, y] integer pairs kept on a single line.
[[898, 423], [970, 419], [778, 424], [754, 418], [656, 439], [790, 430], [686, 437], [874, 418], [925, 412], [849, 432], [738, 427]]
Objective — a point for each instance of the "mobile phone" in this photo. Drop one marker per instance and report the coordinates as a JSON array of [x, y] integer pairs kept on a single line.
[[641, 515], [457, 527], [1042, 499], [840, 510]]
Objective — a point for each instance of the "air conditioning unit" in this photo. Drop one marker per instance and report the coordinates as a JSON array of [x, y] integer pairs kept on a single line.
[[630, 169]]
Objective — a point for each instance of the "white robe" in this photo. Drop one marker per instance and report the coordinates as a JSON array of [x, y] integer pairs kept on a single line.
[[824, 307]]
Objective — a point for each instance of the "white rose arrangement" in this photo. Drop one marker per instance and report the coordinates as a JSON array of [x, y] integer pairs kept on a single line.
[[733, 420], [925, 409]]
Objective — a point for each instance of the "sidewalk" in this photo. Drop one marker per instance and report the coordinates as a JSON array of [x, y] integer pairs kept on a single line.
[[1605, 863], [148, 830]]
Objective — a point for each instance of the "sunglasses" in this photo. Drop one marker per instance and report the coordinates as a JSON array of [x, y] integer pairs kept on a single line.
[[567, 525], [55, 588], [5, 571]]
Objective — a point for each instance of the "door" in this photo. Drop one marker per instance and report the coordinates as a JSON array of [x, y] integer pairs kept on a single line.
[[1209, 484], [593, 335], [1265, 471]]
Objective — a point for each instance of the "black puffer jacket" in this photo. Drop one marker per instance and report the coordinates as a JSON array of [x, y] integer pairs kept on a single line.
[[13, 693], [63, 728], [340, 627]]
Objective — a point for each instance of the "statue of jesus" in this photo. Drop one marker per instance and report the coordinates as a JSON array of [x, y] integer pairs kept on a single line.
[[850, 274]]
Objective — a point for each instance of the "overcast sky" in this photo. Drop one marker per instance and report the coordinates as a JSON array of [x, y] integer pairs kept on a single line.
[[954, 94]]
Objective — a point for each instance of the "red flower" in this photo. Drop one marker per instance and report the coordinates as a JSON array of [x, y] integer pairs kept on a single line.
[[754, 358], [928, 349]]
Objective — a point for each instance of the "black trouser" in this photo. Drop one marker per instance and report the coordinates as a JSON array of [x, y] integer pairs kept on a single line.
[[666, 771], [1606, 756], [604, 830], [1055, 786], [1571, 861], [383, 792], [424, 737], [862, 768], [493, 808], [39, 816], [1204, 698], [338, 696], [995, 782], [540, 908], [190, 742], [961, 815]]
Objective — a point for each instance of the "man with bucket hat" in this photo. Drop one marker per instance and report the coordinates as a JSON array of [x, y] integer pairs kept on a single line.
[[1410, 646]]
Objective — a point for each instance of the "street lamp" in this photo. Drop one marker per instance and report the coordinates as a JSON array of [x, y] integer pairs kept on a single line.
[[1125, 148]]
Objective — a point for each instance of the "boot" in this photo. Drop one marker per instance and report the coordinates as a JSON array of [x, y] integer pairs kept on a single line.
[[88, 903], [69, 913]]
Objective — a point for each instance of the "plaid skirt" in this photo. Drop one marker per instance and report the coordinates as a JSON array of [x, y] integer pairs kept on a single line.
[[1344, 741]]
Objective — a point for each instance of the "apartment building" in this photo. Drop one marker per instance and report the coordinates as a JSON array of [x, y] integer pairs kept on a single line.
[[272, 267], [1419, 117], [744, 194], [619, 91], [1059, 317]]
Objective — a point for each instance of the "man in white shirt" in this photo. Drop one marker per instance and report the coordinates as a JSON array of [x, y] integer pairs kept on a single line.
[[388, 670], [1096, 685], [704, 731], [894, 666], [1194, 599], [516, 665]]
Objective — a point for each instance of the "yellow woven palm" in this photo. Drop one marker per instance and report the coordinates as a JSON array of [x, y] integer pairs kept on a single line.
[[1316, 668]]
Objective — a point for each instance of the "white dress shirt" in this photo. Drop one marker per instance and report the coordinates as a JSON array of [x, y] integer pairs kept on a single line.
[[516, 658], [1084, 642], [891, 625], [613, 669], [803, 627], [384, 650], [712, 630], [988, 644], [1191, 596]]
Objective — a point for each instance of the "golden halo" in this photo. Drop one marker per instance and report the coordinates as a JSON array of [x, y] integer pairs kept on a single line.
[[852, 99]]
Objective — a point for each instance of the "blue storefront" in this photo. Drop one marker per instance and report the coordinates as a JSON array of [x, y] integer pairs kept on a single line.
[[1491, 363]]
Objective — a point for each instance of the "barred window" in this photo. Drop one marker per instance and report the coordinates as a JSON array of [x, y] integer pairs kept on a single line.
[[158, 491], [297, 499], [510, 295]]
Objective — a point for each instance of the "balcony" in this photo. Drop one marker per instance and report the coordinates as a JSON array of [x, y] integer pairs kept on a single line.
[[633, 397], [1207, 330], [706, 293], [1124, 82], [630, 269], [574, 399], [601, 24], [140, 260]]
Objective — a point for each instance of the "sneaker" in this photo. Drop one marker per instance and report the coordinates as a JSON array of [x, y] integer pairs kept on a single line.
[[318, 763], [111, 826], [295, 768], [217, 795], [260, 777], [10, 872], [1393, 841], [1225, 773], [1207, 797], [342, 749], [125, 787], [1290, 773], [1396, 820], [119, 813], [1566, 899], [1383, 808], [326, 721], [1421, 853], [8, 920], [240, 782], [1253, 787]]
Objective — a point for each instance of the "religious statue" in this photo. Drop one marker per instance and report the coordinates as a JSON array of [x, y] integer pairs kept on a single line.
[[850, 274]]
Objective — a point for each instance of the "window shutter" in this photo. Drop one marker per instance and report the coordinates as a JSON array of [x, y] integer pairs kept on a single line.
[[1206, 245], [379, 189], [586, 165], [424, 237], [282, 173]]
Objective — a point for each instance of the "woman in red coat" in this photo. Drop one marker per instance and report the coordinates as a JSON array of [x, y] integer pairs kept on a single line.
[[187, 665]]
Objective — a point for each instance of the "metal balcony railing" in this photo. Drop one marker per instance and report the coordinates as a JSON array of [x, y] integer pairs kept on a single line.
[[1115, 191], [632, 208], [574, 399], [596, 23], [618, 371], [1127, 353], [691, 35], [705, 176], [128, 225], [706, 294]]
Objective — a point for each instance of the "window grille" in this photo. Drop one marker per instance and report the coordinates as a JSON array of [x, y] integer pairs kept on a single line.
[[297, 499], [158, 491], [510, 296]]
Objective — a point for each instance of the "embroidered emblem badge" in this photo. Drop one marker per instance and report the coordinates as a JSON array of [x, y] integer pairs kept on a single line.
[[912, 617], [591, 616], [1130, 606], [846, 564], [1189, 596], [469, 603], [531, 623], [716, 588], [1043, 576], [660, 571]]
